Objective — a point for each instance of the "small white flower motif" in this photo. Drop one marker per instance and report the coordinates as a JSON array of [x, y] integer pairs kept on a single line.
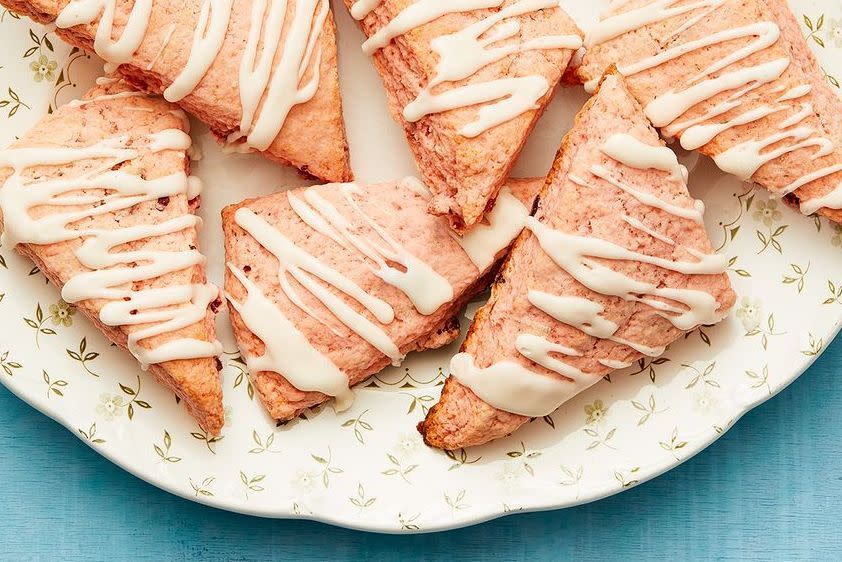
[[110, 406], [834, 31], [510, 474], [305, 481], [749, 313], [408, 445], [767, 212], [227, 414], [705, 400]]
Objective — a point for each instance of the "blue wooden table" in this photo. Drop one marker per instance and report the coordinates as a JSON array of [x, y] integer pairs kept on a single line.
[[771, 488]]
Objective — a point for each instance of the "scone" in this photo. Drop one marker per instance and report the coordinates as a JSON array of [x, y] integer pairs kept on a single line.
[[329, 284], [262, 74], [98, 195], [613, 265], [735, 80], [467, 83]]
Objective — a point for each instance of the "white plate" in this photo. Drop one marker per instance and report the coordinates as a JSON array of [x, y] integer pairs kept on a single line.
[[367, 468]]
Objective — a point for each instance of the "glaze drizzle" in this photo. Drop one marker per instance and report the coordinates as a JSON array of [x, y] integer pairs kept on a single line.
[[415, 278], [513, 387], [745, 158], [160, 310], [387, 258], [269, 85], [463, 53]]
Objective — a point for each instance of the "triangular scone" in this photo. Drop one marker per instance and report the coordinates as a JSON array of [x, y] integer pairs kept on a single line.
[[468, 86], [330, 284], [97, 195], [216, 57], [735, 80], [614, 264]]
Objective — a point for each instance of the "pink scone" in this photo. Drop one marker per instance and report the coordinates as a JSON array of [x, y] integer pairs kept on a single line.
[[461, 418], [464, 174], [781, 124], [313, 135], [195, 381], [400, 211]]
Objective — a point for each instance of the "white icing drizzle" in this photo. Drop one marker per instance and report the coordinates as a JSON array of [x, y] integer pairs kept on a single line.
[[641, 348], [505, 221], [538, 349], [671, 105], [795, 119], [426, 289], [575, 254], [268, 90], [106, 80], [694, 214], [633, 152], [194, 187], [614, 364], [163, 310], [831, 200], [510, 386], [255, 78], [119, 51], [804, 180], [667, 107], [660, 10], [106, 97], [746, 158], [516, 96], [207, 41], [796, 92], [306, 369], [165, 41], [419, 282], [419, 13], [464, 52], [586, 316], [720, 108], [303, 267], [279, 87], [314, 219], [698, 135], [638, 224], [579, 312], [361, 8], [766, 33]]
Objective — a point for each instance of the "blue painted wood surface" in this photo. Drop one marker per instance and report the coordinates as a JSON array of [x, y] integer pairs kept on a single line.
[[771, 488]]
